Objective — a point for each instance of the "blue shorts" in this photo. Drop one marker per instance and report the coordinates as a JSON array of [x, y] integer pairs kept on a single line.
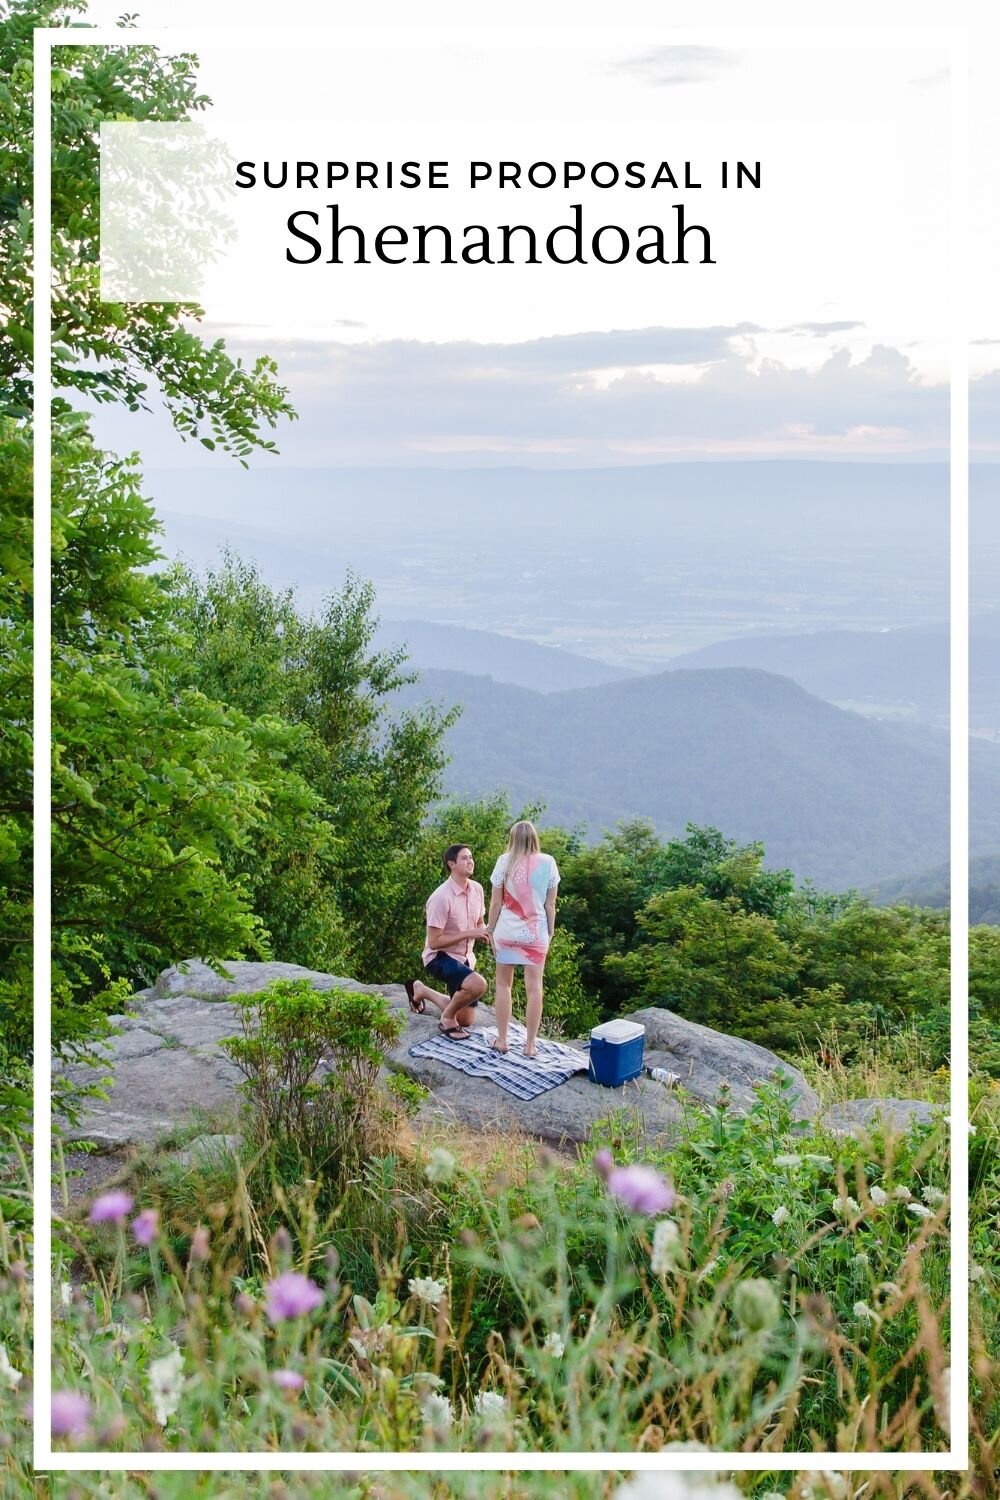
[[449, 972]]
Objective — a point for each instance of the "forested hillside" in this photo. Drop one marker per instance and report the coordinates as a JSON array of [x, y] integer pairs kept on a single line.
[[933, 888], [840, 799]]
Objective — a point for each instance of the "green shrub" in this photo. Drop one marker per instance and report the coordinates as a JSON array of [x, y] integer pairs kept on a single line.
[[328, 1122]]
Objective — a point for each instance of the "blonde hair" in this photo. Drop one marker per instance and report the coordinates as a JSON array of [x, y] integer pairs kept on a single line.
[[522, 841]]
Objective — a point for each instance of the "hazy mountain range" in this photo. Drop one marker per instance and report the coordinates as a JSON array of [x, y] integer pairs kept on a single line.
[[932, 889], [452, 648], [840, 799], [550, 603], [890, 674]]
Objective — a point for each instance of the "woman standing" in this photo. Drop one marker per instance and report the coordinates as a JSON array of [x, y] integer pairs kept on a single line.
[[521, 921]]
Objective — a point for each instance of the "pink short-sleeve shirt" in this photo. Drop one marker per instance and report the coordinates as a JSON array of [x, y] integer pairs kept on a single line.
[[456, 908]]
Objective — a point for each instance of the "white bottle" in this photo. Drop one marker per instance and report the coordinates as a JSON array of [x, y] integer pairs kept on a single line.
[[664, 1076]]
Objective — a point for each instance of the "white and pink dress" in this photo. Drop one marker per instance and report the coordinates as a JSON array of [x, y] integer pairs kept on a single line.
[[522, 933]]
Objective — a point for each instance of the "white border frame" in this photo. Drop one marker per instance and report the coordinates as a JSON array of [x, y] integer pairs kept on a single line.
[[188, 38]]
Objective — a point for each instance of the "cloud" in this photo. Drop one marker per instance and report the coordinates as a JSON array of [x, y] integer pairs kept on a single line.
[[597, 397], [820, 330], [931, 80], [667, 67], [589, 398], [566, 354]]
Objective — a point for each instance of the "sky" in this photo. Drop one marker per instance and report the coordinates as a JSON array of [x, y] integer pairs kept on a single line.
[[822, 331]]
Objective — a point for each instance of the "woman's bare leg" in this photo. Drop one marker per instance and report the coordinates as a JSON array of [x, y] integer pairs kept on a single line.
[[533, 1013], [503, 1002]]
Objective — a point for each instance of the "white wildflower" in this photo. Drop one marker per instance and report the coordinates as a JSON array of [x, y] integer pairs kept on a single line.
[[845, 1207], [920, 1211], [668, 1251], [369, 1341], [490, 1404], [878, 1195], [944, 1414], [933, 1196], [781, 1215], [65, 1293], [976, 1272], [890, 1289], [708, 1270], [9, 1377], [788, 1161], [818, 1160], [861, 1259], [427, 1289], [902, 1194], [441, 1166], [864, 1313], [166, 1380], [972, 1130], [438, 1415], [554, 1345], [677, 1484], [818, 1484]]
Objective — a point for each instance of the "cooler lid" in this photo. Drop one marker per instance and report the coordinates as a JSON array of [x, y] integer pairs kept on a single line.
[[619, 1031]]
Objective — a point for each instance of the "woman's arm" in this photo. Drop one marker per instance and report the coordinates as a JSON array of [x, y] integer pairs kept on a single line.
[[550, 909], [496, 901]]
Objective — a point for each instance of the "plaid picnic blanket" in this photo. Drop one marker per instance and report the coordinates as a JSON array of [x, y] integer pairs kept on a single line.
[[524, 1077]]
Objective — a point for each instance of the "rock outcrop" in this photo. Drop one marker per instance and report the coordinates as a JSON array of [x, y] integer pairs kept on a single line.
[[167, 1066], [858, 1116]]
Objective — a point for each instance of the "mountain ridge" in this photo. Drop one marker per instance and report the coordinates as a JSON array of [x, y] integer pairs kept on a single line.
[[840, 799]]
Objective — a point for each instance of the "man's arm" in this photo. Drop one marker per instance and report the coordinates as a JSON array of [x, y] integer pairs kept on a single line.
[[438, 938]]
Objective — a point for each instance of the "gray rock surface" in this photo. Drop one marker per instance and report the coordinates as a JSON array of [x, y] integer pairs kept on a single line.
[[167, 1064], [706, 1059], [197, 981], [153, 1094], [855, 1116], [207, 1149]]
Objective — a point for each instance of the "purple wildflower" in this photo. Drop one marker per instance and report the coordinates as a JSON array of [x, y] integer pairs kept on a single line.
[[200, 1244], [111, 1208], [288, 1380], [145, 1225], [70, 1414], [291, 1295], [641, 1189], [603, 1162]]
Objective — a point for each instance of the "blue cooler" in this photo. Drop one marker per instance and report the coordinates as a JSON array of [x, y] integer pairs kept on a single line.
[[616, 1050]]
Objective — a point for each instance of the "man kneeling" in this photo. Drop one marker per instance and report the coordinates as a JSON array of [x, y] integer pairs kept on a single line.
[[455, 913]]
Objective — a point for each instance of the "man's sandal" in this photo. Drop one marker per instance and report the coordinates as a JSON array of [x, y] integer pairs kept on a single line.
[[417, 1005], [454, 1033]]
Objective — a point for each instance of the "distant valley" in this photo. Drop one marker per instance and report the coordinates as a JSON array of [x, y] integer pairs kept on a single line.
[[630, 566], [682, 641]]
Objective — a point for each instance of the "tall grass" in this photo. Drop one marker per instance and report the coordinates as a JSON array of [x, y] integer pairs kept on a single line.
[[791, 1296], [525, 1246]]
